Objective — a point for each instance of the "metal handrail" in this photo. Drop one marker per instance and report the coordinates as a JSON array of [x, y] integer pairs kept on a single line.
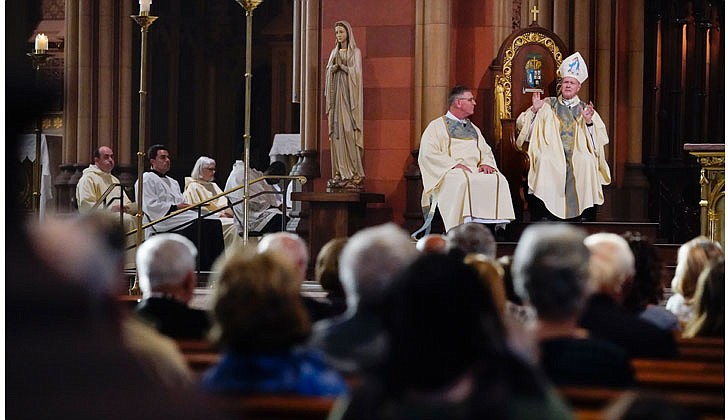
[[198, 206], [102, 200]]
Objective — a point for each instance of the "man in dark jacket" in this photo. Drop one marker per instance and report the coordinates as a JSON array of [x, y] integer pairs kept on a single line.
[[612, 264], [166, 264]]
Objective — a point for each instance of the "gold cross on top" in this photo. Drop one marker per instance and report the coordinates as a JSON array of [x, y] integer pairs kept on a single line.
[[534, 12]]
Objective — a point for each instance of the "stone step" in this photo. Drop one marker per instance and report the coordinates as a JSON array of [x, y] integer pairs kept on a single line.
[[646, 229]]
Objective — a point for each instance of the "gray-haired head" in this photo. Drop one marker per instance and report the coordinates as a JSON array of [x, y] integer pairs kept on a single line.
[[612, 262], [164, 259], [370, 260], [202, 162], [291, 247], [472, 238], [551, 270]]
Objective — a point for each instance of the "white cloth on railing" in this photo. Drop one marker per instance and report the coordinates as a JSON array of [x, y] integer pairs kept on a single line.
[[285, 144], [27, 151]]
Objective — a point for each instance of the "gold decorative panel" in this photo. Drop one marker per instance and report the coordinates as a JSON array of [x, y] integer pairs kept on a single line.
[[503, 83]]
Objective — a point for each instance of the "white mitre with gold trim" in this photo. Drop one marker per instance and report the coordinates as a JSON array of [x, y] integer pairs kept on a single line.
[[574, 66]]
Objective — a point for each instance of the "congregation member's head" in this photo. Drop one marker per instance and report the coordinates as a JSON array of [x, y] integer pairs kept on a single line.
[[472, 238], [646, 285], [709, 309], [166, 265], [258, 307], [433, 243], [692, 257], [327, 266], [291, 247], [491, 274], [370, 260], [611, 263], [551, 270], [439, 329]]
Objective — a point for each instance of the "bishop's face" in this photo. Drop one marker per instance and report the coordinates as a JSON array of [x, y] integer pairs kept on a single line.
[[569, 87]]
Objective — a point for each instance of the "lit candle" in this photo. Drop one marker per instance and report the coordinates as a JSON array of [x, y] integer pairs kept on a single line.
[[144, 6], [41, 42]]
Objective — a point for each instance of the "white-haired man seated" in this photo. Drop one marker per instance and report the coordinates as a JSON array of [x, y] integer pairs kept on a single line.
[[166, 267], [354, 341], [611, 266]]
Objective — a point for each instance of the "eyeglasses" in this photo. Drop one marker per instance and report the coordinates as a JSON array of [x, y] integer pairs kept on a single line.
[[471, 99], [209, 169]]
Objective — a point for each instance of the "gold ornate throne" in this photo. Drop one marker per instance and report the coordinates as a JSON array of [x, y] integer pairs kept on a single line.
[[526, 52]]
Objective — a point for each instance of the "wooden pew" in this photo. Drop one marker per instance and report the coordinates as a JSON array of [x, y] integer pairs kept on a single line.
[[586, 401], [696, 385], [195, 346], [677, 366], [200, 362], [702, 349], [275, 407]]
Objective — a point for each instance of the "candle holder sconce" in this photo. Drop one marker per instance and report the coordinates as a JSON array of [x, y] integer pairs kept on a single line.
[[39, 58]]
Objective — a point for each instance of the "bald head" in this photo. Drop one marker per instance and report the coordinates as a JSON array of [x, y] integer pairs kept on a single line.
[[291, 247], [432, 244]]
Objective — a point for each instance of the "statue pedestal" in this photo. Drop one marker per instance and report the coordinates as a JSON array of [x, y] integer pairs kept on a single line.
[[334, 214]]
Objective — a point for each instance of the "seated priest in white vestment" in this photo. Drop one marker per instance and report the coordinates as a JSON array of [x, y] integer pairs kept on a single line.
[[264, 210], [94, 182], [162, 196], [459, 173], [200, 186], [566, 139]]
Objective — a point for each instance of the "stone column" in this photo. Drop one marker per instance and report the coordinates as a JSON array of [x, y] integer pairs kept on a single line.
[[502, 23], [70, 102], [635, 185], [432, 62], [308, 163]]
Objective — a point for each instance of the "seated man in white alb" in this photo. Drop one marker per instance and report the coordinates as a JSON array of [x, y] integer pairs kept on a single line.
[[459, 173], [162, 196], [92, 185], [264, 211]]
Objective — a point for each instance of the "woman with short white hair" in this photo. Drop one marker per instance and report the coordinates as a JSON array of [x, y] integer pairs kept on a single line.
[[201, 186]]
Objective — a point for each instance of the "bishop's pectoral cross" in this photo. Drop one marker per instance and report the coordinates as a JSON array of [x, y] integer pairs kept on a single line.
[[535, 12]]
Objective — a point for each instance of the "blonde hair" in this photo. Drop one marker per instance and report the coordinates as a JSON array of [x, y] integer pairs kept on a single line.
[[258, 306], [709, 308], [491, 274], [692, 257]]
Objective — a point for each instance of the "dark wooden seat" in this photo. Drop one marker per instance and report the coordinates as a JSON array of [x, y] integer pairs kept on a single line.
[[201, 361], [678, 366], [275, 407], [706, 349], [195, 346], [588, 400]]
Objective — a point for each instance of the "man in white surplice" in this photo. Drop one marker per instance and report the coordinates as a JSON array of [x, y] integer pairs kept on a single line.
[[459, 173], [162, 196]]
